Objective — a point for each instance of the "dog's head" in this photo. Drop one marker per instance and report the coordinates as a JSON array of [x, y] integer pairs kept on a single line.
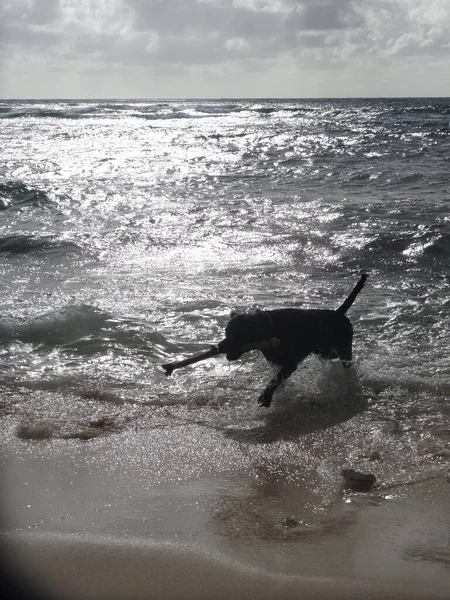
[[244, 333]]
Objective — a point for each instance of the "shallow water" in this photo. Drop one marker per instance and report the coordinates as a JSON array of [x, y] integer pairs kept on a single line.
[[130, 230]]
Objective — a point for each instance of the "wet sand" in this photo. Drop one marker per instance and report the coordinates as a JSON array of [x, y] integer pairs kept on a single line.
[[86, 521], [77, 567]]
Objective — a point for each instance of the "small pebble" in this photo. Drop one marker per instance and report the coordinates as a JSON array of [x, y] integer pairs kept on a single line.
[[393, 427], [375, 455], [288, 522], [358, 481], [35, 431], [100, 422]]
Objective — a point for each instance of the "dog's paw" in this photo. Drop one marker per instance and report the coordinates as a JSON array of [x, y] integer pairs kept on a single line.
[[169, 369], [264, 400]]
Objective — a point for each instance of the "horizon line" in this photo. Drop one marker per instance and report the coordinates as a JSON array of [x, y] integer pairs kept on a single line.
[[221, 98]]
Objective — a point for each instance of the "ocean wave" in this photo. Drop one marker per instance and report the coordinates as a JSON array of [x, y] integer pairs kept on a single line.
[[393, 251], [212, 109], [410, 179], [56, 328], [280, 108], [414, 114], [88, 330], [440, 247], [45, 113], [16, 194], [62, 110], [148, 111], [265, 110], [141, 110], [27, 244], [442, 108]]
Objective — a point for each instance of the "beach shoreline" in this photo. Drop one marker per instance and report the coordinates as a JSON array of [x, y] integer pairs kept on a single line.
[[81, 567], [94, 534]]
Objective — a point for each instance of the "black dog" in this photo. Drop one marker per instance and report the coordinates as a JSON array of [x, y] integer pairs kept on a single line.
[[287, 336]]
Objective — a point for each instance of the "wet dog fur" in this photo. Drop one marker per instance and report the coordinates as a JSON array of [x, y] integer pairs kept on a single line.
[[287, 336]]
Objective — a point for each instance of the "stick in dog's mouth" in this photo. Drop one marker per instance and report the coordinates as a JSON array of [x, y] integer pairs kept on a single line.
[[169, 368]]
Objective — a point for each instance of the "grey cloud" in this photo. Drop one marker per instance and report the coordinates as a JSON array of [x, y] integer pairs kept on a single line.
[[177, 17], [29, 12], [193, 32], [43, 12], [313, 40], [196, 32], [29, 37], [322, 16], [27, 24], [432, 44], [180, 17]]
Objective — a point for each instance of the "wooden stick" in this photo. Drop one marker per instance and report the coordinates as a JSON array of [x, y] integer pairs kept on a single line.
[[170, 367]]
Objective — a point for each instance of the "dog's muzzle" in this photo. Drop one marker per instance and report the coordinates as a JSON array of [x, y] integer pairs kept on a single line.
[[233, 351], [230, 349]]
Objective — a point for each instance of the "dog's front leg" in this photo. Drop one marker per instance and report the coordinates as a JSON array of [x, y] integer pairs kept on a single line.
[[266, 397]]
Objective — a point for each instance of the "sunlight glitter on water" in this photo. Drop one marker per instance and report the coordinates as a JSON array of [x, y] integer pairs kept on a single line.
[[176, 222]]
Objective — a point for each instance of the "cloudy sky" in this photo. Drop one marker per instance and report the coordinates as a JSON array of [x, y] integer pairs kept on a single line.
[[224, 48]]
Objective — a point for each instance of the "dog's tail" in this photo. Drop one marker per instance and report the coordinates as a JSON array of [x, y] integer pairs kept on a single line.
[[352, 296]]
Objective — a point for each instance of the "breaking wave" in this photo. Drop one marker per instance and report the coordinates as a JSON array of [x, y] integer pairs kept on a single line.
[[16, 195], [28, 244], [84, 329], [394, 110]]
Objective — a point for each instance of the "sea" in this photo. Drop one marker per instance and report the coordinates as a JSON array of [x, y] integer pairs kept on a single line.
[[130, 230]]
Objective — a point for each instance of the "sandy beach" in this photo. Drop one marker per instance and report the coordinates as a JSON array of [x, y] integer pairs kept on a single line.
[[84, 521]]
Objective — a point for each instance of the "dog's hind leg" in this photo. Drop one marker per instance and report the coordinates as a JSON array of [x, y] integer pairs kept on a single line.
[[345, 353], [343, 343], [346, 362], [266, 397]]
